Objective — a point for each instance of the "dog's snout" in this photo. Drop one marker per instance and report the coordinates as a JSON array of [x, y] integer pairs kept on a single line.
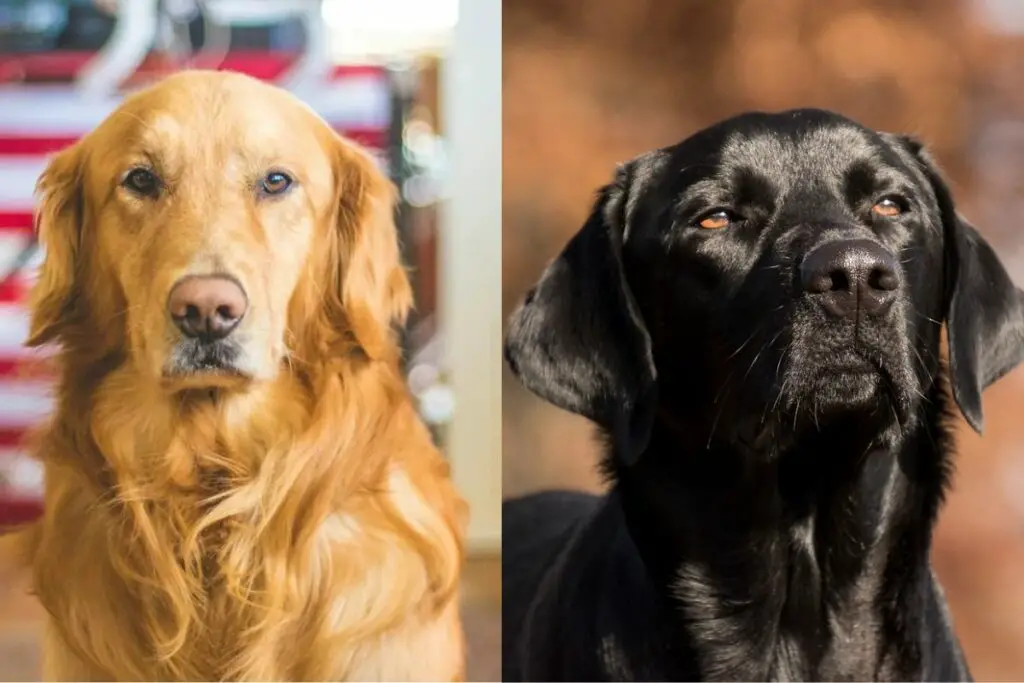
[[207, 307], [851, 277]]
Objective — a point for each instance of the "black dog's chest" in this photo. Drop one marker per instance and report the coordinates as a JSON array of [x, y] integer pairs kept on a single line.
[[824, 634], [799, 598], [790, 626], [764, 614], [828, 625]]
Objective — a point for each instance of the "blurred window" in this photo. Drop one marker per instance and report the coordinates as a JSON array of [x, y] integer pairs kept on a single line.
[[39, 26], [28, 26]]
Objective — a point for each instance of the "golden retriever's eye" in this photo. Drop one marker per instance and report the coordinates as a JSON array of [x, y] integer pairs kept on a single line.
[[275, 183], [142, 182], [717, 220], [888, 207]]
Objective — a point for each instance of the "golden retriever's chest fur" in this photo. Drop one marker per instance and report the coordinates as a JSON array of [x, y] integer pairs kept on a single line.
[[228, 554]]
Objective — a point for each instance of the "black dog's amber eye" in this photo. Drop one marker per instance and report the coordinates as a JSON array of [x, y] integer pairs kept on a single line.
[[716, 220], [142, 182], [275, 183], [887, 208]]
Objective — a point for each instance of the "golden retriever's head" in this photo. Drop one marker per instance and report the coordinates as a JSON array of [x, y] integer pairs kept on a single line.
[[212, 228]]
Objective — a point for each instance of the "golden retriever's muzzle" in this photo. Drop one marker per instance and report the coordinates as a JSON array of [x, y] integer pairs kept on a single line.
[[206, 310]]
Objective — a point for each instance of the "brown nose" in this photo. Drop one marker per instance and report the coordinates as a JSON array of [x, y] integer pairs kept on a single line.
[[207, 307]]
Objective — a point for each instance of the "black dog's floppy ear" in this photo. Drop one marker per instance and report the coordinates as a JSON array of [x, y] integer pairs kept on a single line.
[[578, 340], [984, 309]]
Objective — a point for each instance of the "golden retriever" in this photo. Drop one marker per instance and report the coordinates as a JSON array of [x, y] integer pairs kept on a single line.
[[237, 485]]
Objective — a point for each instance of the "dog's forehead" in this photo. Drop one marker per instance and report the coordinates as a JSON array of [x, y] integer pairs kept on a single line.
[[229, 119], [193, 104], [794, 145], [811, 150]]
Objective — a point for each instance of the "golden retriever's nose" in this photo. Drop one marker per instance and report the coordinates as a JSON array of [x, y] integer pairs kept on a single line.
[[208, 307]]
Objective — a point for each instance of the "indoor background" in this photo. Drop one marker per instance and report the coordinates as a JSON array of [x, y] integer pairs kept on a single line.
[[415, 81], [588, 85]]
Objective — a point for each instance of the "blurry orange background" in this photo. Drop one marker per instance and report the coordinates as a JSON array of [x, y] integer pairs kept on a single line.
[[588, 85]]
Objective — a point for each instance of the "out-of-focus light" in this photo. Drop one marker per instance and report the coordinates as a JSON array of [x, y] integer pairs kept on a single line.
[[421, 377], [421, 191], [437, 404], [391, 15], [41, 15], [1002, 16], [387, 28], [23, 475], [419, 138]]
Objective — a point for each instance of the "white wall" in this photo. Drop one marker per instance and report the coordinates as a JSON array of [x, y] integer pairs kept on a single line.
[[471, 262]]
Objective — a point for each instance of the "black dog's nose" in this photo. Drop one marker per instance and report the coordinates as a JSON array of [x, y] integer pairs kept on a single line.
[[851, 277], [207, 307]]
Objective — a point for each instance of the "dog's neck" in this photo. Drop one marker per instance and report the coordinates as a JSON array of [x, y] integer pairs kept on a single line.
[[723, 532]]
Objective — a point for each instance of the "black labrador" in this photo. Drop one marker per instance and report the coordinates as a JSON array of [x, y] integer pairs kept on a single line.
[[753, 318]]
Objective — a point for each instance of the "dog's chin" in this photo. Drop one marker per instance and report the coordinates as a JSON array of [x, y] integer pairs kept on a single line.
[[207, 379], [845, 388], [847, 398], [205, 366]]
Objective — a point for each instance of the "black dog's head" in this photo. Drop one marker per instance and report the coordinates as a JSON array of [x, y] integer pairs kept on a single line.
[[774, 269]]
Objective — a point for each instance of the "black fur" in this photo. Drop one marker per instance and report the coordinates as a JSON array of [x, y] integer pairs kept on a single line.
[[776, 471]]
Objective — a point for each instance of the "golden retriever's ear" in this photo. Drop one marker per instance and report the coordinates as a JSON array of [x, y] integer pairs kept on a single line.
[[372, 292], [59, 224]]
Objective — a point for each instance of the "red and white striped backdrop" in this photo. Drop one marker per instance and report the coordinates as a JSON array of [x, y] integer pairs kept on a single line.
[[36, 120]]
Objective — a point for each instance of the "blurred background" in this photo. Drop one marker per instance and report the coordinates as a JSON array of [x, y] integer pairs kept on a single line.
[[587, 88], [416, 81]]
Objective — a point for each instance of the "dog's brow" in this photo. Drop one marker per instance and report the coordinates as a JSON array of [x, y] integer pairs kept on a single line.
[[861, 178], [147, 130], [141, 140]]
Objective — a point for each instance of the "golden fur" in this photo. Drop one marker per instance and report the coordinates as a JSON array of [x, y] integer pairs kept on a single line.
[[290, 522]]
